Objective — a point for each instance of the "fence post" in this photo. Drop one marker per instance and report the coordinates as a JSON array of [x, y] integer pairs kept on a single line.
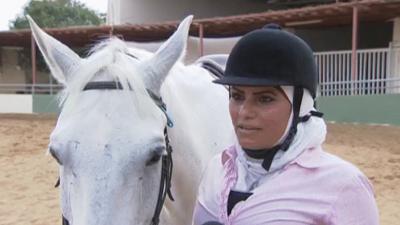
[[354, 49], [394, 54], [33, 60]]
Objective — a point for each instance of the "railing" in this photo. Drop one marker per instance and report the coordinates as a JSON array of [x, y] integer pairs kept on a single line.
[[326, 88], [360, 87], [30, 88], [374, 73]]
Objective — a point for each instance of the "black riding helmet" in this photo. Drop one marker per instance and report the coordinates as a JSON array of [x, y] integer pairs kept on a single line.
[[273, 57]]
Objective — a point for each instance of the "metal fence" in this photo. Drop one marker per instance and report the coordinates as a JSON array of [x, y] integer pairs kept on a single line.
[[375, 72], [30, 88]]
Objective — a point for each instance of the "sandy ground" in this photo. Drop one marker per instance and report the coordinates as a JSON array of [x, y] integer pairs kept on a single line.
[[27, 175]]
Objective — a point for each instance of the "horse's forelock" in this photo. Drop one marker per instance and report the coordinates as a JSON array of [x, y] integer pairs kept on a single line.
[[110, 56]]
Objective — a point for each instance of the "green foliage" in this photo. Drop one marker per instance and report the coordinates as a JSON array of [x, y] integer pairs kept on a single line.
[[57, 13], [51, 14]]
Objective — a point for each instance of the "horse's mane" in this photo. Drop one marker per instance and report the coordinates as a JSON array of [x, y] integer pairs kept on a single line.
[[109, 60]]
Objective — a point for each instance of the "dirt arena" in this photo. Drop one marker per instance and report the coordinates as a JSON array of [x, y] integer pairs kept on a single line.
[[28, 175]]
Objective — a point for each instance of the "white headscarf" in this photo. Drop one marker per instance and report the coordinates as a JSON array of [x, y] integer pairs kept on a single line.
[[309, 134]]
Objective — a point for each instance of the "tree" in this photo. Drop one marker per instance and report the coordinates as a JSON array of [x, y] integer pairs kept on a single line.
[[48, 14], [57, 13]]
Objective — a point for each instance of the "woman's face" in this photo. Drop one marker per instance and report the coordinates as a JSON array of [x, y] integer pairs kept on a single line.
[[259, 115]]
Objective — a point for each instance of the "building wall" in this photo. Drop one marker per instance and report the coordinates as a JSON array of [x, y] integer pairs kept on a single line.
[[379, 109], [10, 71], [45, 103], [371, 109], [370, 35], [13, 103], [147, 11]]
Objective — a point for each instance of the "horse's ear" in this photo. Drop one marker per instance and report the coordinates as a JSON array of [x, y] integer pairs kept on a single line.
[[167, 55], [60, 58]]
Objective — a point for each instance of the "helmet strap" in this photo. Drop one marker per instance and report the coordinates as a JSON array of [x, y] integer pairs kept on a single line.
[[269, 154], [297, 98]]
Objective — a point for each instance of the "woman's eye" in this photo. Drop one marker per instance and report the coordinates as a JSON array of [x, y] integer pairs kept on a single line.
[[236, 97], [265, 99]]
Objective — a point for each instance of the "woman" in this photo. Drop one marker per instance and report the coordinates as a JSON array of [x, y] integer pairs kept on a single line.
[[277, 173]]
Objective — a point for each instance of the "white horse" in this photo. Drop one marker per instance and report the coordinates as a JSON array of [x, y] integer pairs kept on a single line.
[[109, 142]]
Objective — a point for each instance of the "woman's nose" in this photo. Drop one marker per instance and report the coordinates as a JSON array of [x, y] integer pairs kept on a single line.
[[247, 110]]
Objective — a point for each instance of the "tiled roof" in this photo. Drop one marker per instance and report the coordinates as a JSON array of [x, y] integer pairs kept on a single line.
[[311, 16]]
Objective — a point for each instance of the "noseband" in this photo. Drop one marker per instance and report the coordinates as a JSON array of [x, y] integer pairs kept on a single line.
[[167, 163]]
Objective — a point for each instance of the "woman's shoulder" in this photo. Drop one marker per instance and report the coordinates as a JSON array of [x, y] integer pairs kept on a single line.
[[340, 166], [355, 199], [326, 162], [342, 172], [330, 169]]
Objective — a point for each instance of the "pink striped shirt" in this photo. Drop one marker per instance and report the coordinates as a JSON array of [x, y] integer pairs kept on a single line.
[[315, 188]]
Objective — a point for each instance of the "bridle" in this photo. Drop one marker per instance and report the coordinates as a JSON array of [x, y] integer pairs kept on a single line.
[[167, 163]]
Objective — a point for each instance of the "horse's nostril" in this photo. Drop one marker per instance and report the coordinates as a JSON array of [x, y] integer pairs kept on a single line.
[[54, 155]]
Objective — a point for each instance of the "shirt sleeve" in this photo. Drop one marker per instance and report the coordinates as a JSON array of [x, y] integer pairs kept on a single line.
[[202, 215], [355, 204], [206, 208]]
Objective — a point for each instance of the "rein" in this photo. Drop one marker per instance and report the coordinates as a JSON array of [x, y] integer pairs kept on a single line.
[[167, 162]]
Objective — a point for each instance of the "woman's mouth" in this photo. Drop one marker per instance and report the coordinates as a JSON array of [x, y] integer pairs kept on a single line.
[[247, 128]]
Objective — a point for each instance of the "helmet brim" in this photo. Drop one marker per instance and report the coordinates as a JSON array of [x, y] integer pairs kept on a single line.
[[246, 81]]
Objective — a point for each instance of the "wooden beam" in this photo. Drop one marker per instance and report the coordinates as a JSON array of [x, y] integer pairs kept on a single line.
[[33, 60], [201, 35]]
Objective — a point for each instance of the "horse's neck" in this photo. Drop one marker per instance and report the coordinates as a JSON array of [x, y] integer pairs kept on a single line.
[[202, 128], [199, 109]]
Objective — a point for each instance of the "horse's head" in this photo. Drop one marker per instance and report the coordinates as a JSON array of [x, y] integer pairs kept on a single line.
[[109, 140]]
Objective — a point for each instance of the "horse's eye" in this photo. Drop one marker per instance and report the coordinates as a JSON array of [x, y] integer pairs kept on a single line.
[[54, 155], [153, 160], [155, 156]]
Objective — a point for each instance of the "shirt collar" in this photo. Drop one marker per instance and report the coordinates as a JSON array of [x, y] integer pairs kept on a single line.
[[310, 159], [228, 154]]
